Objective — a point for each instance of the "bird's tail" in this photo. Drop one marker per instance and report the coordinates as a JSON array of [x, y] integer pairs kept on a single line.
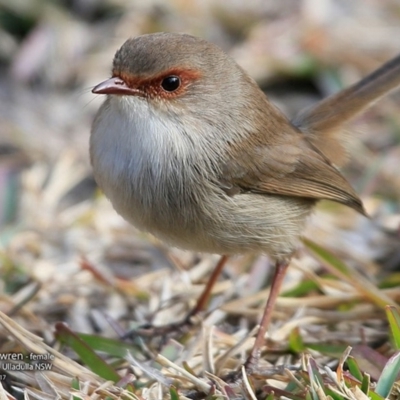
[[322, 121]]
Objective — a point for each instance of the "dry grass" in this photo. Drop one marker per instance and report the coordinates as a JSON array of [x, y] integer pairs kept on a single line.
[[69, 264]]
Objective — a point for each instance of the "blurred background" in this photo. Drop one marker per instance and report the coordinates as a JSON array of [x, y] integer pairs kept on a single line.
[[63, 250]]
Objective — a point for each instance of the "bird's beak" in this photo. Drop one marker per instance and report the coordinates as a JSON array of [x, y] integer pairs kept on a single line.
[[114, 86]]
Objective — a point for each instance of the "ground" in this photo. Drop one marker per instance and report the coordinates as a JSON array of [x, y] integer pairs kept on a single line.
[[75, 277]]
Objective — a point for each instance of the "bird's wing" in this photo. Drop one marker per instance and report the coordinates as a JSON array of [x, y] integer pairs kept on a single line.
[[290, 166]]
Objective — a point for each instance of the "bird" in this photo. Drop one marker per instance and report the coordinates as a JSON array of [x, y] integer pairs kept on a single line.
[[187, 147]]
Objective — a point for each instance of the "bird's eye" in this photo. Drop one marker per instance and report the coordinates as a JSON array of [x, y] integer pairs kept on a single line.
[[171, 83]]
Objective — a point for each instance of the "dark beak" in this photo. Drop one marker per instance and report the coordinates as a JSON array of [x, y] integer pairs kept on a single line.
[[114, 86]]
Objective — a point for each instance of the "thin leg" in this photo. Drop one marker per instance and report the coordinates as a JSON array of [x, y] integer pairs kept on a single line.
[[280, 272], [204, 297], [150, 330]]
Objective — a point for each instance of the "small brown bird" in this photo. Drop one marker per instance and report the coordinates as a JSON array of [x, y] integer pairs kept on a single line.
[[187, 147]]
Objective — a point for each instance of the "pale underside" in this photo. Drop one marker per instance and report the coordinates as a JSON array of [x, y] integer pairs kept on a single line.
[[152, 182]]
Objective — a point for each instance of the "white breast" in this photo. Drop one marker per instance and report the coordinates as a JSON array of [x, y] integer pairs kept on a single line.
[[141, 164]]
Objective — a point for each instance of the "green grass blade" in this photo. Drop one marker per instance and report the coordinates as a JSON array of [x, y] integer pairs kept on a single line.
[[354, 369], [394, 322], [86, 354], [365, 384], [389, 376], [342, 271], [112, 347]]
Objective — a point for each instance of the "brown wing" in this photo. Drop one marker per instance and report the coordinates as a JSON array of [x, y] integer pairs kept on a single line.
[[291, 166]]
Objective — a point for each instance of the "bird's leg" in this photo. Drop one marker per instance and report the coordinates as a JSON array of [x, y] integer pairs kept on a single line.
[[205, 295], [280, 271], [151, 331]]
